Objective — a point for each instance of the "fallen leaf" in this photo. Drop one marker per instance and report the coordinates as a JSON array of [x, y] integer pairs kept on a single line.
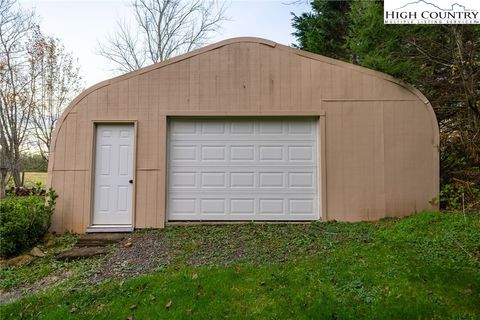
[[194, 276], [169, 304], [130, 318], [133, 306], [151, 297], [128, 244], [73, 310], [100, 307]]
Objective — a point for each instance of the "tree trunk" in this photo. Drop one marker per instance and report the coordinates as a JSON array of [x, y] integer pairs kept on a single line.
[[17, 179], [3, 182]]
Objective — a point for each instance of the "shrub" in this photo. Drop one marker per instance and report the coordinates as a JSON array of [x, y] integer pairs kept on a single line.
[[25, 191], [23, 221], [453, 196]]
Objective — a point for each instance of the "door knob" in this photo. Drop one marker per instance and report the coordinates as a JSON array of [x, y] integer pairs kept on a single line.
[[130, 181]]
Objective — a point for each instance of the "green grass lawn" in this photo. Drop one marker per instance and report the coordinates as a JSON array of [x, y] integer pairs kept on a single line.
[[32, 178], [426, 266]]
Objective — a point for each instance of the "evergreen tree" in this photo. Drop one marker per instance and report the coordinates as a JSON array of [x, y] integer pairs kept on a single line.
[[443, 61], [324, 30]]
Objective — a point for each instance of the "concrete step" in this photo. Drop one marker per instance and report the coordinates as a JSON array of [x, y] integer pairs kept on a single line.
[[100, 239]]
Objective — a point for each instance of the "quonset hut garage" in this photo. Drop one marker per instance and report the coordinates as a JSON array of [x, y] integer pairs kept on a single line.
[[243, 130]]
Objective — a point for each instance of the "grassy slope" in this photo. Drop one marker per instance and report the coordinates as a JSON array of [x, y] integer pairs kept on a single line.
[[424, 266]]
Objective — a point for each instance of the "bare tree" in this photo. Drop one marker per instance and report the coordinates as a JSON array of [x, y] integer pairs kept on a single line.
[[162, 29], [18, 34], [58, 82]]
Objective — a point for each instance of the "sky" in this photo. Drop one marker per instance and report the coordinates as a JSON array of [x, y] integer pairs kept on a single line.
[[80, 25]]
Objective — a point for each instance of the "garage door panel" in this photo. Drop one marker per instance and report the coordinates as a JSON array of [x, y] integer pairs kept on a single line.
[[301, 128], [182, 206], [231, 152], [197, 178], [183, 127], [213, 153], [243, 130], [272, 206], [213, 127], [270, 127], [242, 207], [301, 206], [300, 153], [213, 179], [245, 127], [183, 153], [213, 206], [180, 179], [300, 180], [242, 169], [242, 153], [271, 180], [225, 207], [242, 179]]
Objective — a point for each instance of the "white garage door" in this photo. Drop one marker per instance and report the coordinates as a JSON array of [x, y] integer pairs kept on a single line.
[[242, 169]]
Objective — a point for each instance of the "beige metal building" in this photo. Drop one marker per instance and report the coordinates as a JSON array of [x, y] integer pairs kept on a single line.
[[244, 129]]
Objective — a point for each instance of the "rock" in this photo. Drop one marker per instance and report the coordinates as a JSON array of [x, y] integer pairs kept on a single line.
[[83, 252], [37, 252], [50, 244], [128, 244], [18, 261]]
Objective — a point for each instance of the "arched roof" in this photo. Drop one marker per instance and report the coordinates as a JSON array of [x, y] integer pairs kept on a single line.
[[261, 41]]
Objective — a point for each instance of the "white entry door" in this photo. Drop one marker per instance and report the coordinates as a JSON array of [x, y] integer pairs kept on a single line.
[[243, 169], [113, 174]]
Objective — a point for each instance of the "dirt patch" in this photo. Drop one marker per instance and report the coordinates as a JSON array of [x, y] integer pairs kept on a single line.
[[43, 284], [140, 253], [148, 251]]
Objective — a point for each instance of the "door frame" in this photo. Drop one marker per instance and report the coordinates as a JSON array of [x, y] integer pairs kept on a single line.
[[320, 116], [93, 130]]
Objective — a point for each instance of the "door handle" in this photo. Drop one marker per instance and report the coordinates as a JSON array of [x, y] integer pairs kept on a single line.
[[130, 181]]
